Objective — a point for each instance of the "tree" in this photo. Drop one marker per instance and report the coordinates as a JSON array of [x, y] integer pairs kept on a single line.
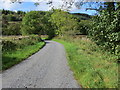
[[4, 21], [20, 12], [49, 26], [84, 26], [11, 17], [105, 31], [64, 23], [12, 29], [33, 23]]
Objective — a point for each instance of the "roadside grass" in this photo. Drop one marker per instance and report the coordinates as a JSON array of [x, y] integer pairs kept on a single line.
[[92, 67], [14, 57]]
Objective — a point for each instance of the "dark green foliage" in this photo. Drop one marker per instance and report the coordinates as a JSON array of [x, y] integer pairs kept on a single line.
[[11, 22], [19, 43], [12, 29], [11, 17], [82, 16], [49, 26], [84, 26], [33, 23], [37, 22], [8, 46], [4, 21], [6, 12], [106, 30], [21, 12]]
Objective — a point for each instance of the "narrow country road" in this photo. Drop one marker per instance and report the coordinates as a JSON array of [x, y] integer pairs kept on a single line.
[[46, 69]]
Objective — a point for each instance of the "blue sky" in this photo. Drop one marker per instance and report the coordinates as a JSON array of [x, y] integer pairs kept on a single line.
[[28, 6]]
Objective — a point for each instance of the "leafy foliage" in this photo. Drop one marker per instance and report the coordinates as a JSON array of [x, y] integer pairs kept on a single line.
[[84, 26], [11, 22], [106, 31], [12, 45], [32, 23], [8, 46], [64, 23], [12, 29], [7, 12]]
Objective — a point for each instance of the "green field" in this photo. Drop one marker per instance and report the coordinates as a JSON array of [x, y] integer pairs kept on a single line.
[[92, 67]]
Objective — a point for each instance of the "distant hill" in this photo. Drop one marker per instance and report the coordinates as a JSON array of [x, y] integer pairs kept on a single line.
[[82, 16]]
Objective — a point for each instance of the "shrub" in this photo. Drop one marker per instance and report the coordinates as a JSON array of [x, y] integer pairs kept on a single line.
[[19, 43], [12, 29], [84, 26], [64, 23], [32, 23], [8, 46], [105, 31]]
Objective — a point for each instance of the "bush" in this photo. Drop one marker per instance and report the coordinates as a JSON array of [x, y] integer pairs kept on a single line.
[[12, 29], [11, 17], [105, 31], [32, 23], [84, 26], [8, 46], [64, 23]]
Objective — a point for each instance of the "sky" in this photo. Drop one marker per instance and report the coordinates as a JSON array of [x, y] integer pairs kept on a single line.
[[28, 5]]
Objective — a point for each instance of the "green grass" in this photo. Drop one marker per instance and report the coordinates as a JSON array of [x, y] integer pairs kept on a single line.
[[11, 58], [92, 67]]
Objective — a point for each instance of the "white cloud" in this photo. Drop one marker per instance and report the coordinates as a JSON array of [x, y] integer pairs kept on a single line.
[[56, 4], [6, 4], [44, 6]]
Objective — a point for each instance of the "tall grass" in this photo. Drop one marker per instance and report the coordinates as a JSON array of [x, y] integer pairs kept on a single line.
[[11, 58], [92, 67], [14, 51]]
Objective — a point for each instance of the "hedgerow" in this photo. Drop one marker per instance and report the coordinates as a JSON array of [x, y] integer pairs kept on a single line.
[[106, 31]]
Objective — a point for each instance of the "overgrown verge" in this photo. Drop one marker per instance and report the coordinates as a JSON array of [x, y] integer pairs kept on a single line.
[[92, 67], [16, 51]]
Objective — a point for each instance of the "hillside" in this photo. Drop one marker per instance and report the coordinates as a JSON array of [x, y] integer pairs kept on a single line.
[[82, 16]]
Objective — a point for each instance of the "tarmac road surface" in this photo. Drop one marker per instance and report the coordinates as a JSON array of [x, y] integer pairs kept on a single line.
[[48, 68]]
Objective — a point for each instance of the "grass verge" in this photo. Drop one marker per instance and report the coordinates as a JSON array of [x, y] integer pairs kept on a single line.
[[92, 67], [14, 57]]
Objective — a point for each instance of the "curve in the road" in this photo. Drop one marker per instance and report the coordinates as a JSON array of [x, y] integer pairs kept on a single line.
[[46, 69]]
